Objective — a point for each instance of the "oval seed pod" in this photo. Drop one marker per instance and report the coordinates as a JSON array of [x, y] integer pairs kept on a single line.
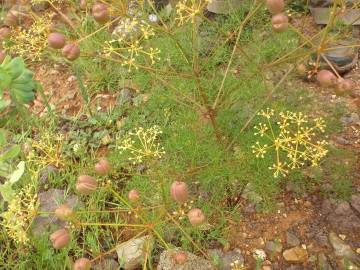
[[102, 167], [60, 238], [101, 12], [275, 6], [82, 264], [180, 257], [64, 212], [280, 22], [179, 191], [56, 40], [133, 196], [196, 217], [71, 52], [86, 184], [326, 78]]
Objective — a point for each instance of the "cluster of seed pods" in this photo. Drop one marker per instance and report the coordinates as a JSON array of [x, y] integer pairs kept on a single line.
[[85, 185], [279, 20]]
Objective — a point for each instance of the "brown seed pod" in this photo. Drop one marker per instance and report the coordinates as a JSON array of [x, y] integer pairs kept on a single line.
[[64, 212], [133, 195], [5, 32], [179, 191], [60, 238], [102, 167], [180, 257], [71, 52], [56, 40], [101, 13], [196, 217], [345, 85], [82, 264], [86, 184], [275, 6], [280, 22], [326, 78]]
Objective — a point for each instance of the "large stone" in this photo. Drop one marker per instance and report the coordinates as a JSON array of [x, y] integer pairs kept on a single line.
[[225, 259], [131, 254], [295, 254], [49, 201], [341, 216], [193, 262], [223, 6], [343, 250]]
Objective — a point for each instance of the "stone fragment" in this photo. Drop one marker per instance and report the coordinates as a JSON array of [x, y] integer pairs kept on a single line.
[[295, 254], [131, 254]]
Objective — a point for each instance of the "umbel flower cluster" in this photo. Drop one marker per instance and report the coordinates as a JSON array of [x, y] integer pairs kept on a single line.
[[21, 210], [30, 43], [188, 10], [128, 46], [142, 144], [293, 138]]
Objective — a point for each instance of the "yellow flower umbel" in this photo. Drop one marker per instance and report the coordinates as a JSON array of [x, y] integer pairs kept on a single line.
[[30, 43], [142, 144], [293, 139], [188, 10], [127, 44], [47, 150], [21, 211]]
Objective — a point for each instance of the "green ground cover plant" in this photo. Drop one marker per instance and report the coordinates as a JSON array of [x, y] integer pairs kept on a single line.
[[205, 123]]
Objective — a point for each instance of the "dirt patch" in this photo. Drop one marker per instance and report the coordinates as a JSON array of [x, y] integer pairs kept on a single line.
[[63, 94]]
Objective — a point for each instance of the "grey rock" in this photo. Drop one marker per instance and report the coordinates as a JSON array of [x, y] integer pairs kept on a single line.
[[49, 201], [292, 240], [322, 239], [46, 172], [272, 247], [351, 119], [106, 264], [250, 195], [355, 202], [341, 216], [223, 260], [193, 262], [342, 249], [131, 254]]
